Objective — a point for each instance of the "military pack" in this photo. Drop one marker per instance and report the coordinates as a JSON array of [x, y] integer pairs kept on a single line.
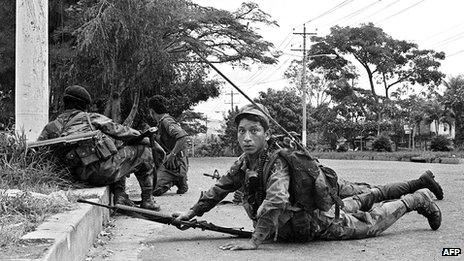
[[312, 186]]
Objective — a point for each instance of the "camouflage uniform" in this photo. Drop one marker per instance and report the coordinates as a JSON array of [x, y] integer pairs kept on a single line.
[[169, 133], [275, 217], [135, 159]]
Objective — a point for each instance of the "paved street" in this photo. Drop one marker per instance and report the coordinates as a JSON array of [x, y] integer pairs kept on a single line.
[[409, 239]]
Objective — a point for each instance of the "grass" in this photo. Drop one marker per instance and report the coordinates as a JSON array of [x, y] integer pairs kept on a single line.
[[32, 171]]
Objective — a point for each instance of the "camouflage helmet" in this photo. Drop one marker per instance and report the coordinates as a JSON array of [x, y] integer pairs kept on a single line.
[[78, 93], [250, 109]]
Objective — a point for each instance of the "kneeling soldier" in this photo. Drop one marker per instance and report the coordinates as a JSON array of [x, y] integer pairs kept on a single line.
[[100, 162]]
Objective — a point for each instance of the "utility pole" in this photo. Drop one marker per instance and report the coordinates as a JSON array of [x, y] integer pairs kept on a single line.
[[232, 93], [31, 59], [303, 81]]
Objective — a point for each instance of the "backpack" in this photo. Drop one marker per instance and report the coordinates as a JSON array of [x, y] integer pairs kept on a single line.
[[312, 186]]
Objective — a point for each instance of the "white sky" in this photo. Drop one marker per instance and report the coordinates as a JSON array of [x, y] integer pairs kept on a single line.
[[432, 24]]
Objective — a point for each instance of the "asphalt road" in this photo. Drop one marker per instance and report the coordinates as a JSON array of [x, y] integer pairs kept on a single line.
[[408, 239]]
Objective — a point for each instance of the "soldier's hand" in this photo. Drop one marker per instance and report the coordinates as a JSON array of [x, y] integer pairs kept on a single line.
[[248, 245], [170, 162], [184, 215]]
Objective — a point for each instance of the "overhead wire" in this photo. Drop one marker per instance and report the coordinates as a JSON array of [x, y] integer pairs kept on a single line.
[[331, 10], [401, 11], [352, 14]]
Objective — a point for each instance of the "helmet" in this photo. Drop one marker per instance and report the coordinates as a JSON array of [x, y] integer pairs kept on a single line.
[[251, 109], [78, 93]]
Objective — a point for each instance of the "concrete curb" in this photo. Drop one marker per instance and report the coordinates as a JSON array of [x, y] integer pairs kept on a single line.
[[73, 232]]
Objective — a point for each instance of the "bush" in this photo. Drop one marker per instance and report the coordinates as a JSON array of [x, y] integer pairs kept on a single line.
[[440, 143], [342, 147], [210, 149], [382, 143]]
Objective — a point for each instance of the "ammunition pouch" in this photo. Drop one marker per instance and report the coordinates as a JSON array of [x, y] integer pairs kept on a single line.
[[99, 148], [301, 226]]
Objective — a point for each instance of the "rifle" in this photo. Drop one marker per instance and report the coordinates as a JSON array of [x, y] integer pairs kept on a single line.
[[169, 220], [215, 175], [67, 140]]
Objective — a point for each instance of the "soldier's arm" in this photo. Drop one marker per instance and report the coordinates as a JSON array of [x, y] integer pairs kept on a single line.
[[50, 131], [115, 130], [176, 132], [209, 199], [276, 202]]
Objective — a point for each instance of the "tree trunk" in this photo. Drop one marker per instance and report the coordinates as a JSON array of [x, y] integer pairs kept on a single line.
[[135, 106], [116, 107]]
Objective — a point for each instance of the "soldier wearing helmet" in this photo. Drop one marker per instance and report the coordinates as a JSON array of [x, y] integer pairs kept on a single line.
[[101, 162]]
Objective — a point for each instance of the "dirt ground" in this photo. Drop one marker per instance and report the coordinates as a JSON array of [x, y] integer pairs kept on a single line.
[[408, 239]]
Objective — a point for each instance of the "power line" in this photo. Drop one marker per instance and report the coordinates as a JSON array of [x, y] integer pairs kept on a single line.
[[353, 14], [449, 40], [442, 32], [382, 9], [261, 71], [455, 53], [272, 72], [401, 11], [333, 9]]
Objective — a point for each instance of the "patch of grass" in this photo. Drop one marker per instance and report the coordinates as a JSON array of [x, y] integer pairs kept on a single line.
[[29, 171], [21, 214]]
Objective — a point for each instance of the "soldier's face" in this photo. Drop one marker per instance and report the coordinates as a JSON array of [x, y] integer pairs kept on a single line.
[[154, 115], [251, 136]]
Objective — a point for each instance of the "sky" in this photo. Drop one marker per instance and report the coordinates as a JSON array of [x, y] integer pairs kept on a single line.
[[432, 24]]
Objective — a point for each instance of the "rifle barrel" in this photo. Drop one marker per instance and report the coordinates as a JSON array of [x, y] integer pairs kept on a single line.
[[170, 220]]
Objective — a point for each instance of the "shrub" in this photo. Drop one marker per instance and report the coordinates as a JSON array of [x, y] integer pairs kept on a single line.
[[382, 143], [210, 149], [342, 148], [440, 143]]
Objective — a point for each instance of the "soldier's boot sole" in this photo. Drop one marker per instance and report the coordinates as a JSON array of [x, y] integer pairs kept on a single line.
[[429, 180]]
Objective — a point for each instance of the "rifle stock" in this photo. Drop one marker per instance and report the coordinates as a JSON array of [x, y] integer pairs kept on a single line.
[[170, 220], [71, 139]]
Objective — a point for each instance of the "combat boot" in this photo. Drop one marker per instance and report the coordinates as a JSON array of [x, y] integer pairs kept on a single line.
[[160, 191], [146, 186], [119, 193], [182, 186], [429, 182], [422, 202]]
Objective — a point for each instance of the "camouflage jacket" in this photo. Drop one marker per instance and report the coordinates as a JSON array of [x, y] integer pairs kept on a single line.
[[169, 132], [272, 215], [76, 121]]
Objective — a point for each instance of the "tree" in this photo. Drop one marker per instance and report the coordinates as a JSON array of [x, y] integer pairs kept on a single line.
[[192, 122], [453, 98], [144, 48], [387, 62], [229, 136], [283, 108]]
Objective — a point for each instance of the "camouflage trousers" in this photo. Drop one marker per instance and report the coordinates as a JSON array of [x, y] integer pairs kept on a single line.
[[360, 224], [388, 191], [129, 159], [167, 178]]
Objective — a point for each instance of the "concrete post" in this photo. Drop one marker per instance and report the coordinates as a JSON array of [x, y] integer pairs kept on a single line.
[[32, 92]]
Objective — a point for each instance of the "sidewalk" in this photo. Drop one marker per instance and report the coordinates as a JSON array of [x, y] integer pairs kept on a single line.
[[69, 235]]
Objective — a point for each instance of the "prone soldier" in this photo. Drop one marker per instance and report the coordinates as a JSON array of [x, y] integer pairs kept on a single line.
[[267, 198], [104, 160]]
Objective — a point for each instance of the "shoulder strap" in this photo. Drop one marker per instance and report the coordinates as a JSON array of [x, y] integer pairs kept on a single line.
[[88, 120]]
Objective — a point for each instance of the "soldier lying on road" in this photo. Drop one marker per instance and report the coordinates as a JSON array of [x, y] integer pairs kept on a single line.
[[268, 201]]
